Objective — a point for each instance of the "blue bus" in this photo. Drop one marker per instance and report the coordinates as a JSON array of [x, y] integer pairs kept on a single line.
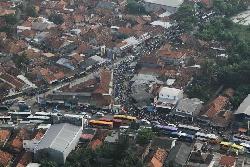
[[165, 129]]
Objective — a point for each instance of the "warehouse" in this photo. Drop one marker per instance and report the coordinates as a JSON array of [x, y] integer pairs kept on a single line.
[[58, 142]]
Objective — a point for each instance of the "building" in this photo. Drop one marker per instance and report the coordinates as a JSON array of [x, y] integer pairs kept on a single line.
[[112, 138], [58, 142], [156, 5], [169, 57], [94, 90], [243, 111], [179, 155], [158, 158], [227, 161], [168, 97], [188, 107], [5, 158], [214, 109]]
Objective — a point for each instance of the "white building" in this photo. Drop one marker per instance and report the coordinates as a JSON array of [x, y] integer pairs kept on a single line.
[[58, 141], [168, 97], [170, 6]]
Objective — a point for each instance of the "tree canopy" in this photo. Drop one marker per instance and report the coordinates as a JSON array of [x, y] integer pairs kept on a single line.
[[56, 18]]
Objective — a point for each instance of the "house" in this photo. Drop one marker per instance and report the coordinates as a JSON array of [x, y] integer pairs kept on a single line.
[[58, 142], [87, 134], [214, 108], [200, 156], [157, 151], [168, 97], [5, 158], [188, 107], [157, 5], [207, 3], [158, 158], [179, 155], [167, 56], [17, 142], [95, 89], [112, 138], [5, 12], [4, 135], [26, 158], [227, 161]]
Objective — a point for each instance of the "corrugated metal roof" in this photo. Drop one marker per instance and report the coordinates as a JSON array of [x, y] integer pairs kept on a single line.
[[244, 107], [59, 137]]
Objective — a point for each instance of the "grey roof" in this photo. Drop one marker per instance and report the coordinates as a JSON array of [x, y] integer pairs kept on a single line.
[[172, 3], [87, 63], [112, 138], [179, 154], [105, 5], [59, 137], [162, 142], [189, 105], [244, 107]]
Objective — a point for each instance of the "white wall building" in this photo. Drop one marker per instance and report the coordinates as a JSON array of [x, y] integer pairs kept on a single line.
[[168, 97], [58, 141]]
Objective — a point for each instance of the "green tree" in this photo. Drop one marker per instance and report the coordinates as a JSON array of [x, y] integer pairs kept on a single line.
[[56, 18], [144, 136], [11, 19], [31, 11], [240, 94], [48, 163], [134, 7], [130, 159], [185, 16], [21, 61]]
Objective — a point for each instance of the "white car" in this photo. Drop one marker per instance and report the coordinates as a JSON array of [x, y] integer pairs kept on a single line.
[[173, 125], [99, 114]]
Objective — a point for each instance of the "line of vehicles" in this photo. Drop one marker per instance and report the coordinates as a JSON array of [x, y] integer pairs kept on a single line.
[[115, 122]]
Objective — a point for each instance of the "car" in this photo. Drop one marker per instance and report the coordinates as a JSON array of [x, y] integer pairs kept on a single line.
[[100, 114], [87, 116], [83, 113]]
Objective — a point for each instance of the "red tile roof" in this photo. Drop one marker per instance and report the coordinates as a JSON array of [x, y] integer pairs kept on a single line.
[[95, 144], [4, 135], [105, 78], [227, 161], [216, 106], [17, 144], [18, 84], [158, 158], [5, 158], [39, 135]]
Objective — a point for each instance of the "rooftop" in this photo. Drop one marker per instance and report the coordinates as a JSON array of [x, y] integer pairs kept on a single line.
[[244, 107], [5, 158], [171, 3], [58, 137]]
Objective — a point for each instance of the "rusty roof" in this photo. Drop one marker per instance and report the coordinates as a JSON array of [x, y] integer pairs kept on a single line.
[[5, 158], [216, 106], [227, 161], [4, 135]]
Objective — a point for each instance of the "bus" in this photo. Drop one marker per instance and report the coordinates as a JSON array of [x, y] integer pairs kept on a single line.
[[125, 117], [116, 122], [241, 138], [225, 145], [101, 124], [165, 129], [212, 138], [188, 129], [186, 137], [246, 146]]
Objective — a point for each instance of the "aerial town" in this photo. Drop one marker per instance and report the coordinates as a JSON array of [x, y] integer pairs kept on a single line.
[[125, 83]]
